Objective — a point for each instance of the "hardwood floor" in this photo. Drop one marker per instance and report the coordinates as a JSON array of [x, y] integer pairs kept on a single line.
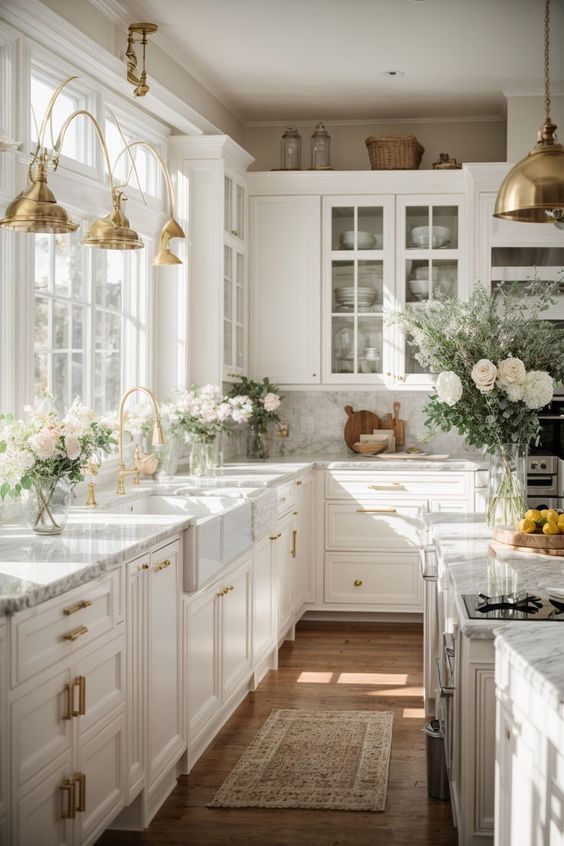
[[330, 665]]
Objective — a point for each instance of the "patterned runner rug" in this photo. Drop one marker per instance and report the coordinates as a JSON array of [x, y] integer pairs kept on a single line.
[[337, 760]]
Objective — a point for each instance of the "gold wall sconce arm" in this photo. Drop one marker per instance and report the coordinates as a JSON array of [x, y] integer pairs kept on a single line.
[[137, 34]]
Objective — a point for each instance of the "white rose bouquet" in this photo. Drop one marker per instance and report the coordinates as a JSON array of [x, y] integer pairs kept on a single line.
[[496, 364], [204, 411]]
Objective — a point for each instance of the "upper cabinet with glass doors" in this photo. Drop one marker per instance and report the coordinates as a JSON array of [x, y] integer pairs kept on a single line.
[[358, 287], [430, 263], [234, 278]]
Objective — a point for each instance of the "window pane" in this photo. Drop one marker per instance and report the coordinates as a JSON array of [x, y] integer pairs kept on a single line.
[[68, 265], [77, 327], [41, 324], [42, 260], [40, 381], [77, 376], [61, 323], [115, 144], [107, 381], [61, 382], [109, 276], [41, 91], [108, 331]]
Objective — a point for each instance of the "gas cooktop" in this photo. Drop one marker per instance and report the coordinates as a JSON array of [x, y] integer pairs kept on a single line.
[[516, 606]]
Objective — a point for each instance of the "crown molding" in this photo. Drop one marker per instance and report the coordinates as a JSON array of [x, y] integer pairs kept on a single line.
[[211, 147], [376, 121], [38, 22], [357, 182]]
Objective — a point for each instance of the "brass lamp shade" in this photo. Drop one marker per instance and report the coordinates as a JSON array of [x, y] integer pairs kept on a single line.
[[36, 209], [113, 231], [535, 185], [164, 255]]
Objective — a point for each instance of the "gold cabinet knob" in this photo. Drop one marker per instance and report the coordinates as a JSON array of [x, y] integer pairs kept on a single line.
[[357, 582]]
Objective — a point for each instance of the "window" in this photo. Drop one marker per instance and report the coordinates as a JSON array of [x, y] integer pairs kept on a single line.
[[146, 174], [83, 320], [78, 138]]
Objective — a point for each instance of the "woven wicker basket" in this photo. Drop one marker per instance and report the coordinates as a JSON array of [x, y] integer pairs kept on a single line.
[[394, 152]]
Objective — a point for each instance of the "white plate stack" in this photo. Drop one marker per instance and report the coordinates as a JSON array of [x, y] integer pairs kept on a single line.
[[345, 298]]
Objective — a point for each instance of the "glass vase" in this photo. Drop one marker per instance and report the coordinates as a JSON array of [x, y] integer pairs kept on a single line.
[[46, 505], [507, 489], [169, 455], [202, 457], [259, 443]]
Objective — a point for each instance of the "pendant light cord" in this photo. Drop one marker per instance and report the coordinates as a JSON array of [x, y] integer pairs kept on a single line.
[[546, 62]]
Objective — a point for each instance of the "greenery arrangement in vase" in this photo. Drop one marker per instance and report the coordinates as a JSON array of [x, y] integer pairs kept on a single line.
[[496, 363], [201, 414], [43, 457], [265, 401]]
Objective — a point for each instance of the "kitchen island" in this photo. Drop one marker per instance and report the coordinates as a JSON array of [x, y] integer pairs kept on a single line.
[[462, 649]]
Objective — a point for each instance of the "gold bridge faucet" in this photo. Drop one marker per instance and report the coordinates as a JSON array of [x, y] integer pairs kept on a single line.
[[158, 438]]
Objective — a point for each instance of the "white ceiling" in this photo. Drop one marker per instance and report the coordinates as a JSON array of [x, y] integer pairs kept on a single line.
[[270, 60]]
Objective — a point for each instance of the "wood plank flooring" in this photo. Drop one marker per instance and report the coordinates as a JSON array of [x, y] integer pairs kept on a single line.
[[330, 665]]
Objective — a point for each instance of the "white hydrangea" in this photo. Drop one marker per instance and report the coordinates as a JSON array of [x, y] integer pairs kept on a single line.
[[515, 391], [449, 387], [539, 388]]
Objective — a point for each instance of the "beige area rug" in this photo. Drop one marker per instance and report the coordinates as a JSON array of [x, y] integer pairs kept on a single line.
[[334, 760]]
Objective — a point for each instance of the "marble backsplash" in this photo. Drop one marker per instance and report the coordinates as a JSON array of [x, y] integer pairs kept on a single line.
[[317, 419]]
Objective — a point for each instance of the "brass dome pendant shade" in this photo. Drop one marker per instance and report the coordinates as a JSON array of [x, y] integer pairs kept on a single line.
[[36, 209], [533, 190], [113, 231]]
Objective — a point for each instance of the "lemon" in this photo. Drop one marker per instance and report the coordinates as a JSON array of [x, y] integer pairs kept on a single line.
[[527, 526], [550, 515], [561, 520], [551, 529], [533, 514]]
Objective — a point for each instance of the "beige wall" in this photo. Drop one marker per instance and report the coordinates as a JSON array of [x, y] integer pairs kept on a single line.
[[85, 17], [524, 117], [467, 141]]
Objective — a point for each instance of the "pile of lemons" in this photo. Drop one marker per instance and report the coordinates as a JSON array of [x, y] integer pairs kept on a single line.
[[549, 522]]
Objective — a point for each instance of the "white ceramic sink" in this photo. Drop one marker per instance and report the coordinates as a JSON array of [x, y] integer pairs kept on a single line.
[[192, 506]]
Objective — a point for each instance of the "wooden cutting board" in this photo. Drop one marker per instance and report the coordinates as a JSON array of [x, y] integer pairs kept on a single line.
[[359, 423], [393, 421], [545, 544]]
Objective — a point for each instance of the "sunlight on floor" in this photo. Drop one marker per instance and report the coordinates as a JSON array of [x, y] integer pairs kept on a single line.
[[398, 691], [413, 713], [372, 678], [315, 678]]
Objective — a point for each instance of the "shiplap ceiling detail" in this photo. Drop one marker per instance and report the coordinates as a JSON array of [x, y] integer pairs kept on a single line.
[[272, 60]]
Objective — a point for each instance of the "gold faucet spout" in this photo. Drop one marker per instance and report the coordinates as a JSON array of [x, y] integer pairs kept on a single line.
[[158, 436]]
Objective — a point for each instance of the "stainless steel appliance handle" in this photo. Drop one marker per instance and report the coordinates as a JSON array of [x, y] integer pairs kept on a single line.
[[448, 649], [445, 689], [429, 574], [551, 417]]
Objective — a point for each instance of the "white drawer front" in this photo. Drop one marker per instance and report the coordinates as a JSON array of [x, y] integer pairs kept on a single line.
[[380, 484], [286, 497], [390, 526], [390, 582], [58, 628]]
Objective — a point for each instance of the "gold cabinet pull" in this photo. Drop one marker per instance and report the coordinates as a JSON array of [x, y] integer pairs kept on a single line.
[[162, 565], [357, 583], [68, 801], [80, 778], [69, 713], [81, 630], [294, 539], [393, 486], [275, 537], [385, 510], [221, 592], [80, 682], [143, 568], [72, 609], [298, 482], [230, 588]]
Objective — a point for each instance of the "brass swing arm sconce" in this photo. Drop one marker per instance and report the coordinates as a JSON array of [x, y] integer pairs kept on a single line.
[[35, 210], [137, 34]]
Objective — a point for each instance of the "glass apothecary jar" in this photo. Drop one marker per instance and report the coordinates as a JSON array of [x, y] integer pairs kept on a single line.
[[320, 149], [291, 149]]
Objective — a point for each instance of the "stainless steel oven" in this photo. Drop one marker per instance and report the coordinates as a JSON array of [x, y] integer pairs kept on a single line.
[[551, 419], [545, 471], [429, 573]]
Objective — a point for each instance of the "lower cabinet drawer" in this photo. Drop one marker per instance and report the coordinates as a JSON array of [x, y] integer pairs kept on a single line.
[[56, 629], [390, 582], [351, 526], [342, 484]]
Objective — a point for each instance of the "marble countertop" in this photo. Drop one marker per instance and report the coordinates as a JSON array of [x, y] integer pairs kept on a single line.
[[537, 655], [469, 563], [348, 461]]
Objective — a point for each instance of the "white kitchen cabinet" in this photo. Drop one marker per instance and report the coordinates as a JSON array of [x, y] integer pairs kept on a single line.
[[285, 289], [212, 169], [284, 551], [385, 581], [155, 740], [217, 653], [4, 754], [264, 599], [68, 747]]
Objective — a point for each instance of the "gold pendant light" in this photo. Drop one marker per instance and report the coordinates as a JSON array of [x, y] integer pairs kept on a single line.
[[533, 190], [113, 231], [36, 209]]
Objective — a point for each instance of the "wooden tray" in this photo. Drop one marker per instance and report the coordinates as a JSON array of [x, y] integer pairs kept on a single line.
[[545, 544]]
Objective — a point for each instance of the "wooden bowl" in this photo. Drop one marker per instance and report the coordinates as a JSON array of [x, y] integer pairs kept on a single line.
[[370, 447]]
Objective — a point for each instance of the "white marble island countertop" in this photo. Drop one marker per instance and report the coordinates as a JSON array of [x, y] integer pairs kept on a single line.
[[469, 564], [536, 652], [295, 464]]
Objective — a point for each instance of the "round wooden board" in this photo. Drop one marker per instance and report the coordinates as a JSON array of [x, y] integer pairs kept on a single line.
[[359, 423], [546, 544]]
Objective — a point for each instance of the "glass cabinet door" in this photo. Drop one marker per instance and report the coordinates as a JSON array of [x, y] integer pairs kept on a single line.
[[228, 300], [356, 289], [234, 209], [430, 260], [234, 294]]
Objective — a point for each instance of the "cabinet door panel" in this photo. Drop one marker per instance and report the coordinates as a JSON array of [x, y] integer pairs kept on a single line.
[[303, 562], [202, 660], [284, 568], [104, 682], [4, 734], [264, 593], [385, 581], [286, 287], [164, 735], [38, 814], [101, 765], [236, 640], [137, 615], [372, 526]]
